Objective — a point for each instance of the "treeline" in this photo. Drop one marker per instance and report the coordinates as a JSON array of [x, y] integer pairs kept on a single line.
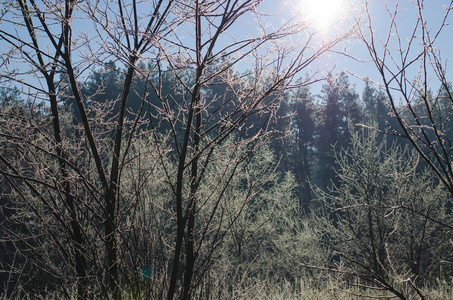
[[307, 133], [328, 185]]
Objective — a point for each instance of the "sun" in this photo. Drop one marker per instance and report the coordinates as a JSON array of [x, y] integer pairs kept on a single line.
[[322, 13]]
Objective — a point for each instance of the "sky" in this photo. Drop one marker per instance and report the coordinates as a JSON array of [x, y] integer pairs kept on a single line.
[[357, 59], [331, 17]]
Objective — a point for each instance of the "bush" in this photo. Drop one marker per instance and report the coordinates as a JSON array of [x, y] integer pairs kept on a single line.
[[385, 221]]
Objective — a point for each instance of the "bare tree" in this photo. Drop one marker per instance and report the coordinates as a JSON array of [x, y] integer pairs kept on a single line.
[[48, 50], [76, 176], [376, 243], [411, 66]]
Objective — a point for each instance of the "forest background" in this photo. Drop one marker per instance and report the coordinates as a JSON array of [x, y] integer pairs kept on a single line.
[[163, 155]]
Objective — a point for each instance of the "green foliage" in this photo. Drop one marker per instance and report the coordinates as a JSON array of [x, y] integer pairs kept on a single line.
[[375, 108], [340, 109], [9, 96], [303, 146]]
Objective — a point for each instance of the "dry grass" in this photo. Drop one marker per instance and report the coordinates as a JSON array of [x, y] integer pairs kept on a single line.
[[330, 290]]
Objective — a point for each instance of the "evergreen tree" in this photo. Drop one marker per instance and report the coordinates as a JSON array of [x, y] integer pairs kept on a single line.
[[383, 112], [281, 129], [350, 107], [329, 132], [369, 100], [444, 112], [104, 84], [9, 96], [375, 110], [304, 130], [340, 108]]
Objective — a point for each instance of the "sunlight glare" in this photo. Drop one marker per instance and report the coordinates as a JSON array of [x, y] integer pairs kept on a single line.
[[322, 13]]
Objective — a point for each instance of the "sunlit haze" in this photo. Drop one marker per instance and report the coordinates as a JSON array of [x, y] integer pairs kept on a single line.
[[322, 13]]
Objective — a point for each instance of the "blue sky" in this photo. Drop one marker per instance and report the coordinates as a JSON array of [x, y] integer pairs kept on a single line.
[[357, 59], [282, 10], [361, 66]]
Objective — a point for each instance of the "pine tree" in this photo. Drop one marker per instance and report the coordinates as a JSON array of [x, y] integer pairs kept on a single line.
[[304, 129], [340, 109], [330, 131], [350, 107]]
